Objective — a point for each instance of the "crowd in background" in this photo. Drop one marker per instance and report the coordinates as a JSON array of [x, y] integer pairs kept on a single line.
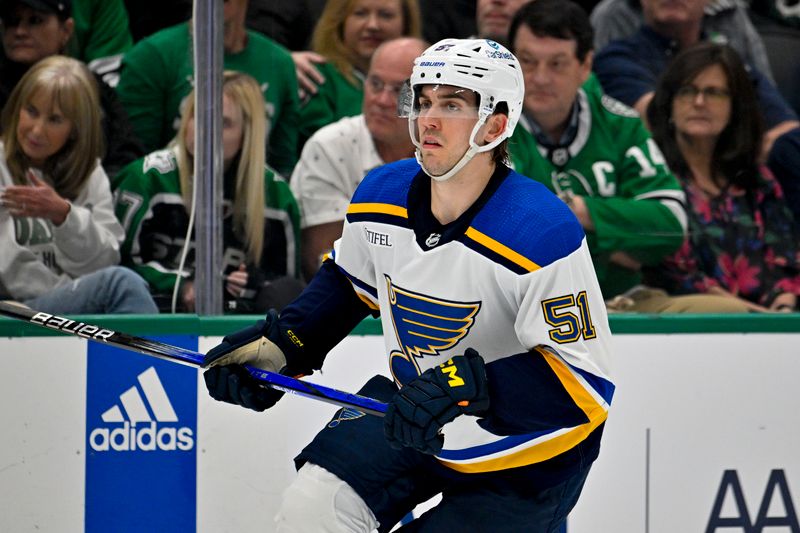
[[670, 129]]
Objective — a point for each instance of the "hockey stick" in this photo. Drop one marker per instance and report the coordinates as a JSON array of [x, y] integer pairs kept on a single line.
[[188, 357]]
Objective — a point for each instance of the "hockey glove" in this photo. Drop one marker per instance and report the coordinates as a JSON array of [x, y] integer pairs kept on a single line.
[[226, 381], [418, 411]]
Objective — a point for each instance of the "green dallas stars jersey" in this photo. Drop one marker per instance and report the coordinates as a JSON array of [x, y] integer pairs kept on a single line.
[[635, 202], [149, 205], [158, 73]]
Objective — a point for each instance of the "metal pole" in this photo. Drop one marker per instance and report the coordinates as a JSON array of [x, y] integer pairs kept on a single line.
[[208, 65]]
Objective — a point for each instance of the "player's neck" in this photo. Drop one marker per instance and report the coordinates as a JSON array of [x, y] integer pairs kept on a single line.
[[451, 198]]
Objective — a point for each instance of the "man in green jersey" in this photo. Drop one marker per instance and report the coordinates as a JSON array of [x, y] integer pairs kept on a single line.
[[590, 149], [158, 73]]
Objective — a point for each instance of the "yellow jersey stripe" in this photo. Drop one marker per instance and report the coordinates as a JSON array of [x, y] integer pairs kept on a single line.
[[501, 249], [386, 209], [367, 301], [552, 447]]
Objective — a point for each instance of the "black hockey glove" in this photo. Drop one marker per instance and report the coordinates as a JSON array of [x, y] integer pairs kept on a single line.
[[233, 384], [420, 408], [227, 381]]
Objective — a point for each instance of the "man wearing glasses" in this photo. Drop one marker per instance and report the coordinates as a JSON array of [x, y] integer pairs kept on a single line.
[[337, 157]]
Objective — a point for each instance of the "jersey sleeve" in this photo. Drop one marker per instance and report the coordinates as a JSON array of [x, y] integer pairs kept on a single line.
[[549, 402], [563, 380], [90, 237], [621, 74], [646, 218]]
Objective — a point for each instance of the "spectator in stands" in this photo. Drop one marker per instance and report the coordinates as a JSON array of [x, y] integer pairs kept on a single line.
[[261, 219], [723, 21], [590, 149], [741, 243], [35, 30], [288, 22], [58, 233], [493, 18], [338, 156], [101, 35], [158, 72], [628, 70], [346, 36]]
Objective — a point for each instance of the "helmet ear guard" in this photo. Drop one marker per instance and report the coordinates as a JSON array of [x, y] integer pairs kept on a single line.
[[480, 65]]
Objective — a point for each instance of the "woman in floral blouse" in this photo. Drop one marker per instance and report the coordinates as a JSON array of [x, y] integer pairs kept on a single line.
[[742, 239]]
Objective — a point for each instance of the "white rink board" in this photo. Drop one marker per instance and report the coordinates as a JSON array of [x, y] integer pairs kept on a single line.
[[711, 403]]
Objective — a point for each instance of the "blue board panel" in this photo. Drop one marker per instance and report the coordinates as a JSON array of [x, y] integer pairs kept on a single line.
[[141, 433]]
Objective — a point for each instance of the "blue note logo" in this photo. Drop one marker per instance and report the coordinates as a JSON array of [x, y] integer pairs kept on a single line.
[[147, 421], [345, 414]]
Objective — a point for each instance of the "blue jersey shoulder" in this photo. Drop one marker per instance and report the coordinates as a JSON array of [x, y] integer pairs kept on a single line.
[[528, 219], [387, 184]]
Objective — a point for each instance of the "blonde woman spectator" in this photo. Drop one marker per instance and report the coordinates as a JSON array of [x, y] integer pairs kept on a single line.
[[58, 232], [261, 217], [346, 36]]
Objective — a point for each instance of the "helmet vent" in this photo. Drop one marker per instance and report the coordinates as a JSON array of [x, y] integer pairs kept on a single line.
[[471, 70]]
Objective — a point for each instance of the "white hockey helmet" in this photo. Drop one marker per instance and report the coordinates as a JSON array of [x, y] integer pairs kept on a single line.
[[480, 65]]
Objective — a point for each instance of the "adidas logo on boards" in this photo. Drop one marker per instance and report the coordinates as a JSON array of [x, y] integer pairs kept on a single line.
[[139, 431]]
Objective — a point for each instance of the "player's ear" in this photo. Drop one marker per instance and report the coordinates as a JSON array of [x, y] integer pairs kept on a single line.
[[496, 124]]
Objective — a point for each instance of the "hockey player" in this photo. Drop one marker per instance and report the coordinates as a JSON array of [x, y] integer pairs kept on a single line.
[[494, 326], [590, 149]]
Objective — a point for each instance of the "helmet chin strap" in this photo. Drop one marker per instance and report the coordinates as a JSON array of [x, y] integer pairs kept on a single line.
[[466, 158], [468, 155]]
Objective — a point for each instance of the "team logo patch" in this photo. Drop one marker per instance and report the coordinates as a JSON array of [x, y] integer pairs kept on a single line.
[[425, 326], [345, 414]]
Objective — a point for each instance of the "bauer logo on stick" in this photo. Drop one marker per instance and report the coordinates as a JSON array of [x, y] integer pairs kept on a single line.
[[72, 326]]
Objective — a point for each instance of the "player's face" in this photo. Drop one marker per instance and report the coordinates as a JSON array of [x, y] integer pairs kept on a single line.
[[553, 74], [388, 71], [370, 23], [30, 35], [446, 118], [232, 131], [671, 12], [701, 109], [494, 17], [43, 129]]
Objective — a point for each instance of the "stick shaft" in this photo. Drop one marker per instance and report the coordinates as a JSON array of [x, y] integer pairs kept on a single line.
[[188, 357]]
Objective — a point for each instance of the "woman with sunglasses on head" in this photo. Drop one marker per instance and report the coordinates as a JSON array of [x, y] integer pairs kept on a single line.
[[742, 242]]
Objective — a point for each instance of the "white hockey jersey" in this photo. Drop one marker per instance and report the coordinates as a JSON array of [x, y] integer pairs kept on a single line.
[[513, 279]]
